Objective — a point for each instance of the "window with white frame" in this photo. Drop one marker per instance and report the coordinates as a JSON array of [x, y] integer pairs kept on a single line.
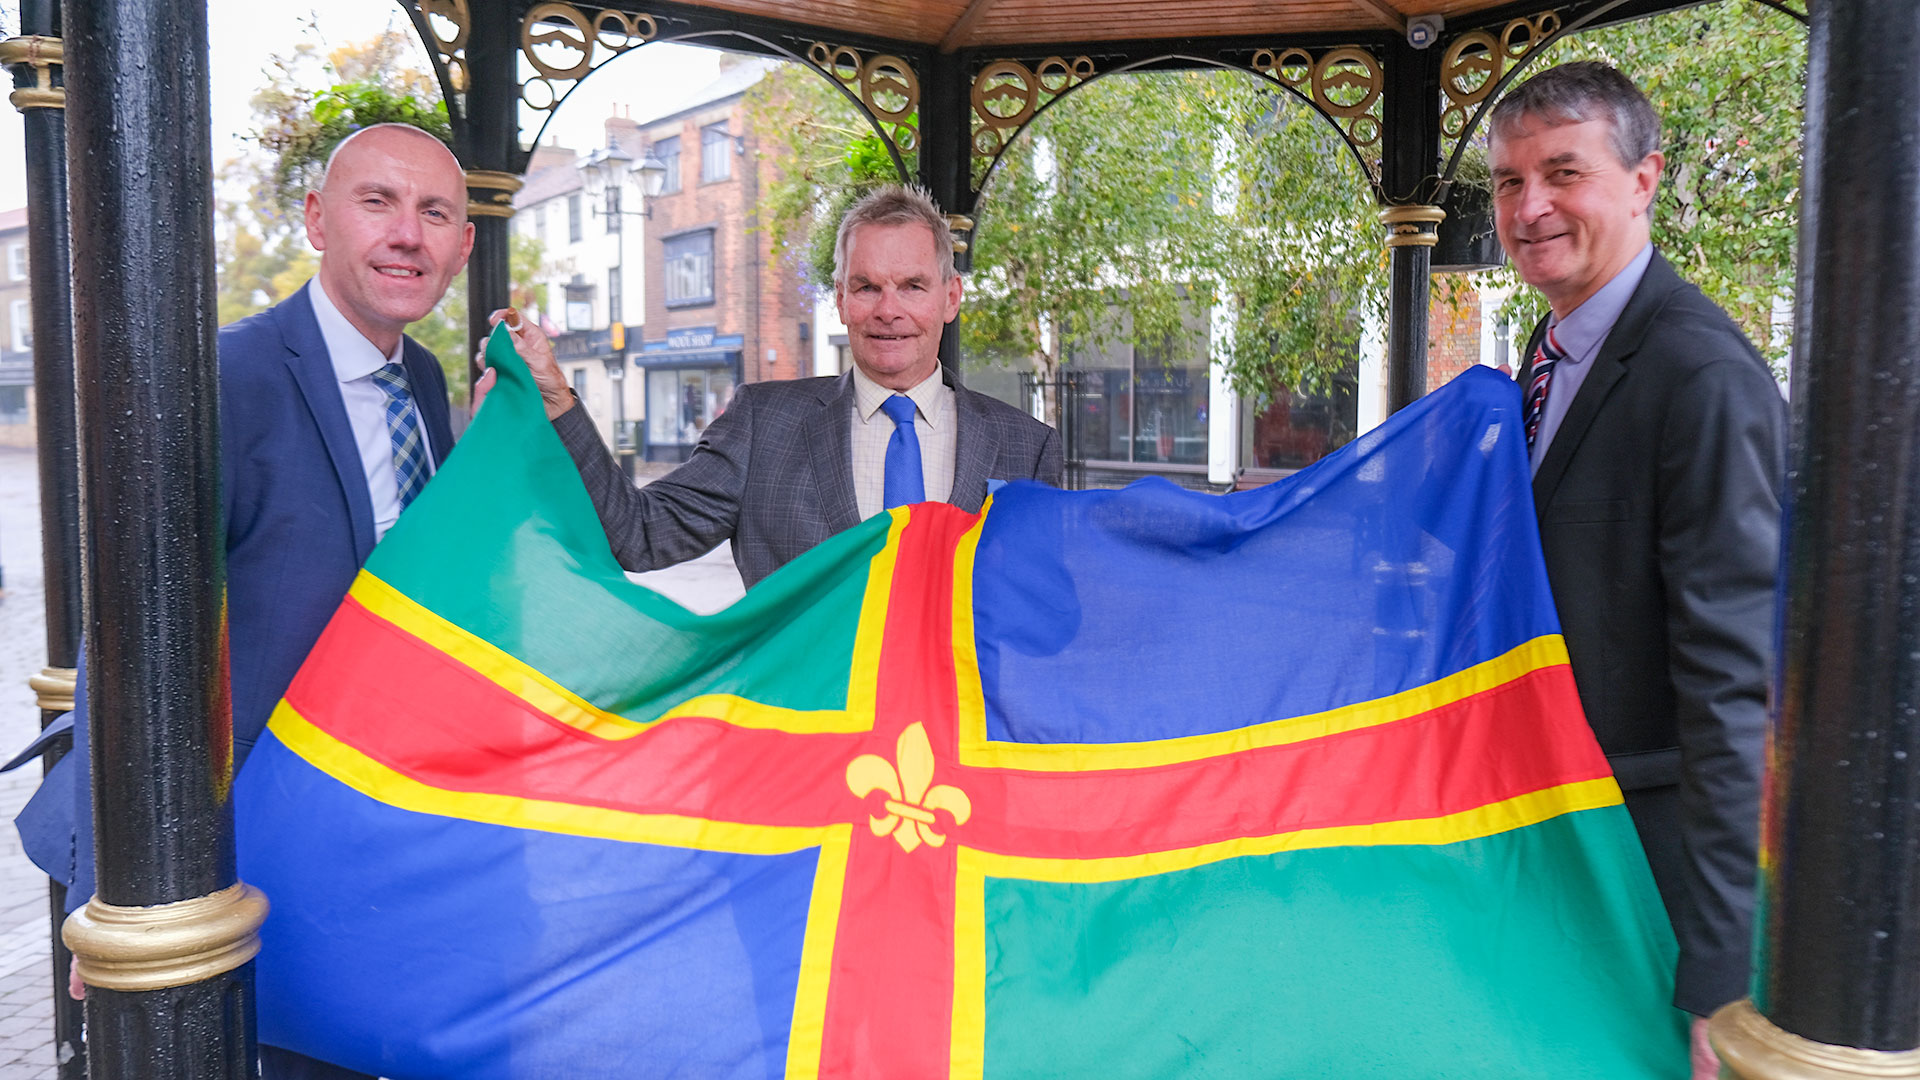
[[16, 262], [573, 218], [716, 157], [20, 325], [668, 151], [689, 269]]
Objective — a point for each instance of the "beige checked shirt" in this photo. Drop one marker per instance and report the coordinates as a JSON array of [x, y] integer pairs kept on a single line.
[[933, 423]]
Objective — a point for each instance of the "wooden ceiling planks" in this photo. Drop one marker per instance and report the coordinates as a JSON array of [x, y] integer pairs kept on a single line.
[[1014, 24]]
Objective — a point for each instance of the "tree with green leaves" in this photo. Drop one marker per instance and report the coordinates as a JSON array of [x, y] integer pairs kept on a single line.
[[1137, 201], [1129, 209], [1729, 83]]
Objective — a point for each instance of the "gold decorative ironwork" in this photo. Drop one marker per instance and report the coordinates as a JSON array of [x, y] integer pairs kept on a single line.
[[1752, 1048], [54, 688], [1473, 64], [44, 54], [1412, 226], [565, 45], [912, 796], [448, 25], [961, 226], [1347, 84], [1007, 93], [153, 948], [884, 83], [499, 186]]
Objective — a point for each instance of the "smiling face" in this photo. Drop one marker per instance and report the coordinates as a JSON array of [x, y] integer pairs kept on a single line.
[[1570, 215], [892, 297], [390, 225]]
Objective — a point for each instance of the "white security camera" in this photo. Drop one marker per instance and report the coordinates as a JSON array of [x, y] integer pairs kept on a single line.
[[1424, 30]]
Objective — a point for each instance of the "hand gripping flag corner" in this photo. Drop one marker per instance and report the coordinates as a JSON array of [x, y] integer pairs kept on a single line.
[[1292, 782]]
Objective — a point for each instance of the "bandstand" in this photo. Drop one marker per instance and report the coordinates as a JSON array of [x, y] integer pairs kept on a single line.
[[115, 95]]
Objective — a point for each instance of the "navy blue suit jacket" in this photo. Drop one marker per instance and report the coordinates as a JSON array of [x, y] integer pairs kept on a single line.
[[299, 524]]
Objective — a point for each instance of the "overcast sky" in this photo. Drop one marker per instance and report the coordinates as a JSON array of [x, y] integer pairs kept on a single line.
[[243, 33]]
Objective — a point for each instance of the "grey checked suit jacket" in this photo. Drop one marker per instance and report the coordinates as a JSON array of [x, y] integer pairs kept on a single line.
[[774, 474]]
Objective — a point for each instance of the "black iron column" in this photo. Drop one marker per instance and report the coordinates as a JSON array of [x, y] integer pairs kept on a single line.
[[491, 143], [40, 96], [946, 157], [1410, 160], [1837, 980], [166, 944]]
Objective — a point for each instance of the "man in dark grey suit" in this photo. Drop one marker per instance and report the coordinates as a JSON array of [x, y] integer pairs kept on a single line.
[[789, 464], [1658, 446]]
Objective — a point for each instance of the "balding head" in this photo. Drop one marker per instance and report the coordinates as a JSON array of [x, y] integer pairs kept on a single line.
[[390, 223]]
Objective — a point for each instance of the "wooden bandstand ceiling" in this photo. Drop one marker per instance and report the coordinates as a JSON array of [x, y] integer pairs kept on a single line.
[[989, 24]]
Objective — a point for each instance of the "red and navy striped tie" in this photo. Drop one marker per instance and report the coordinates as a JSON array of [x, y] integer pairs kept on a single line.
[[1544, 360]]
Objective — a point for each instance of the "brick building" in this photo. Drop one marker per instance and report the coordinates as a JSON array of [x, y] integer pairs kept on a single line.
[[699, 302], [720, 309]]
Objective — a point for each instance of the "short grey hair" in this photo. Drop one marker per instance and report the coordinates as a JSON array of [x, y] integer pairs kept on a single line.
[[1578, 92], [895, 204]]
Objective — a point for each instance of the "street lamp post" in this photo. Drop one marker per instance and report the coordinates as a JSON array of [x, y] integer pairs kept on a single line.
[[606, 171]]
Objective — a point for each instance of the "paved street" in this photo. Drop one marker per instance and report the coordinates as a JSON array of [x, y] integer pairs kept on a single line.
[[26, 1040]]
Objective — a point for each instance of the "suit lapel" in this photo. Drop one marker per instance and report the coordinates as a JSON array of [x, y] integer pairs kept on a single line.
[[312, 368], [1609, 367], [830, 440], [973, 452]]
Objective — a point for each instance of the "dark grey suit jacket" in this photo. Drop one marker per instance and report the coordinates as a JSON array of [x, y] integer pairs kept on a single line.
[[774, 474], [1659, 510]]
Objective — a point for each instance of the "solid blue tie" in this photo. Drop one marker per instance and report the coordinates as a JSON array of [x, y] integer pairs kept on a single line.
[[403, 427], [905, 484]]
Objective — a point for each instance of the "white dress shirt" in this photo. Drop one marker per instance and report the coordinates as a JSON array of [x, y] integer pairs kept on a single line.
[[1580, 335], [355, 359], [934, 423]]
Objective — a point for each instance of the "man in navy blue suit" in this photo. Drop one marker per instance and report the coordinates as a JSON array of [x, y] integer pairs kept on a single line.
[[331, 422]]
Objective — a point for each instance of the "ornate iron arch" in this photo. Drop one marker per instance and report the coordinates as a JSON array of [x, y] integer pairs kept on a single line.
[[1344, 85], [883, 87]]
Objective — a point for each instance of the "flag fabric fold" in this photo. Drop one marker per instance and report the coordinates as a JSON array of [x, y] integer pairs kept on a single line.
[[1291, 782]]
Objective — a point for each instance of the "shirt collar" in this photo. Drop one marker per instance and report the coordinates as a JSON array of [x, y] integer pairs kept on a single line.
[[1586, 326], [353, 356], [928, 396]]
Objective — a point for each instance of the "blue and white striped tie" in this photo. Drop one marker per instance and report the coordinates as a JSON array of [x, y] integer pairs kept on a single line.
[[403, 427]]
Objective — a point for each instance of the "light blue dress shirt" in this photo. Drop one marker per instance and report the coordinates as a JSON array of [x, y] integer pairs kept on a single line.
[[1580, 335]]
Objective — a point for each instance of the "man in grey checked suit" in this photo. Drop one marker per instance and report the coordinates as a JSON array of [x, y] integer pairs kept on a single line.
[[789, 464]]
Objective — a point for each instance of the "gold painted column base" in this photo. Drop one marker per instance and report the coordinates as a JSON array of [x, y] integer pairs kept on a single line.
[[1752, 1048], [54, 688], [152, 948]]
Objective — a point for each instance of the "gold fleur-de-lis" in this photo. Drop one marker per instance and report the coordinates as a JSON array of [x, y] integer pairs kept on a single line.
[[912, 796]]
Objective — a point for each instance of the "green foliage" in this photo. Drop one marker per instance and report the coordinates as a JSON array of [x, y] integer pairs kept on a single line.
[[301, 140], [1126, 211], [826, 157], [1729, 83]]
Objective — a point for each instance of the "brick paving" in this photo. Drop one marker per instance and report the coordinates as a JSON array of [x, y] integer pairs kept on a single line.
[[26, 1010], [26, 978]]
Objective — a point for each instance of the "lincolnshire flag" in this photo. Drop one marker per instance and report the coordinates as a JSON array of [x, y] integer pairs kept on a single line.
[[1146, 783]]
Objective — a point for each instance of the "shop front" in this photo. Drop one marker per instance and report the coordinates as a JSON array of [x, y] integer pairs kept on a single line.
[[690, 380]]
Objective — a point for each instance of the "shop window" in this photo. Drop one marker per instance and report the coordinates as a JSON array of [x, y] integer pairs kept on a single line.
[[681, 403], [1142, 404]]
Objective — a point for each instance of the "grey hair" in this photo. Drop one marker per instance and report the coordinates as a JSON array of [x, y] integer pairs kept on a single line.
[[1577, 92], [342, 145], [895, 204]]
